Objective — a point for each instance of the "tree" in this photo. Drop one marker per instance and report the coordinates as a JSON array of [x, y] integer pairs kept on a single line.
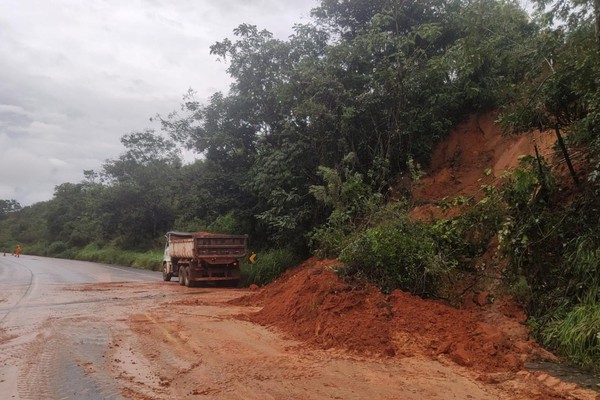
[[138, 203], [572, 13], [9, 206], [561, 93]]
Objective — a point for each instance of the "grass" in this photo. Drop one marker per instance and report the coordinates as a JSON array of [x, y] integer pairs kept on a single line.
[[150, 260], [269, 266], [576, 334]]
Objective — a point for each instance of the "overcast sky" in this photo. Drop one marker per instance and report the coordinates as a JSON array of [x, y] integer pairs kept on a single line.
[[76, 75]]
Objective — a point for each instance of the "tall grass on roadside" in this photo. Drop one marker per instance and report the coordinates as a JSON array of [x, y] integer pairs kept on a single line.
[[576, 333], [150, 260], [269, 266]]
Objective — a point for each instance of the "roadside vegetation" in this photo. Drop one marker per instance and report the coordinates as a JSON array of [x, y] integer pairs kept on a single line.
[[268, 267], [304, 150]]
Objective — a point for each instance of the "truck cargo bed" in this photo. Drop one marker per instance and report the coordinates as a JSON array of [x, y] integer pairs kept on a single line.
[[207, 246]]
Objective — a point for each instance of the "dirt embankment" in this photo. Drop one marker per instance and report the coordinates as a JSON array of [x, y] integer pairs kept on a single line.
[[488, 336], [314, 304]]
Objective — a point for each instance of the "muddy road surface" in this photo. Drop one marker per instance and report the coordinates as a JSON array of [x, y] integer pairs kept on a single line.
[[54, 333], [78, 330]]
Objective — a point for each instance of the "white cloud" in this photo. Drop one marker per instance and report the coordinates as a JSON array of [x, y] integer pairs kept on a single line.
[[10, 109], [80, 74]]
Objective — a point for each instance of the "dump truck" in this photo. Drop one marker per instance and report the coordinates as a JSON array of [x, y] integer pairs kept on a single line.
[[203, 257]]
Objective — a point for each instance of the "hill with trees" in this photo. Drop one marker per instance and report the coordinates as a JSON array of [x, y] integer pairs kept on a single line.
[[322, 138]]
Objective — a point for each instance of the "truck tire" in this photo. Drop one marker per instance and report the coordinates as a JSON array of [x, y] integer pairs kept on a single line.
[[166, 275], [181, 276], [188, 281]]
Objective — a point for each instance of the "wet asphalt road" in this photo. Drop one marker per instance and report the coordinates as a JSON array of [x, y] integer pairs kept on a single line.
[[49, 339]]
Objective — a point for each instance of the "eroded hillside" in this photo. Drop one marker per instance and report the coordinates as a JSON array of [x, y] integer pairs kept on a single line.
[[484, 331]]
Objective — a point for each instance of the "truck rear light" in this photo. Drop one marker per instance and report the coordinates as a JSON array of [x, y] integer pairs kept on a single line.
[[235, 264]]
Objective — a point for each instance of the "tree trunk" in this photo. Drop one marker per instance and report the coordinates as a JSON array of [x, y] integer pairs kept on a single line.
[[563, 147], [542, 176]]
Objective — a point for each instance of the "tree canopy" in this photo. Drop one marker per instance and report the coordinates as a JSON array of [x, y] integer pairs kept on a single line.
[[379, 81]]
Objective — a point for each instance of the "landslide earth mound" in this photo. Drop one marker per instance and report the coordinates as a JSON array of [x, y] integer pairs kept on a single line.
[[488, 336], [312, 303]]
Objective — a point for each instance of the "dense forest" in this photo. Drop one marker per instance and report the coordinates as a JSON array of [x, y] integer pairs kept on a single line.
[[305, 151]]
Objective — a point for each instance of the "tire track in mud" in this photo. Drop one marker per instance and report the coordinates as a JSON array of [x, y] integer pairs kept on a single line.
[[34, 379], [85, 362], [68, 363], [12, 339], [206, 360], [112, 301], [136, 358], [54, 333]]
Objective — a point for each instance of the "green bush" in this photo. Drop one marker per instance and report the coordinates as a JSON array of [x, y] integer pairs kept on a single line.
[[229, 224], [459, 241], [269, 265], [8, 247], [552, 247], [329, 239], [352, 201], [79, 238], [151, 260], [56, 249], [520, 291], [397, 255]]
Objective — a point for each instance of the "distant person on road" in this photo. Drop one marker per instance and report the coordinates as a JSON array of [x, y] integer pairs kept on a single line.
[[18, 250]]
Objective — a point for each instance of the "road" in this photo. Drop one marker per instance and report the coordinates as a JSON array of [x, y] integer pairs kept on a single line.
[[48, 333], [78, 330]]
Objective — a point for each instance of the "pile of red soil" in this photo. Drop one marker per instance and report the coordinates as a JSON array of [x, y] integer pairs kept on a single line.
[[313, 304]]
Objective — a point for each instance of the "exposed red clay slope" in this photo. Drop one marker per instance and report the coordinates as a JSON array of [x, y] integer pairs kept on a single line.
[[458, 163]]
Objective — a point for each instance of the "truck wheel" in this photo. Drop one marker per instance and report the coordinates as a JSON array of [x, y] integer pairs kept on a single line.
[[182, 276], [166, 275], [188, 281]]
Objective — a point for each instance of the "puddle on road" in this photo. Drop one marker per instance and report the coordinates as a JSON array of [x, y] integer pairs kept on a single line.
[[568, 373]]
